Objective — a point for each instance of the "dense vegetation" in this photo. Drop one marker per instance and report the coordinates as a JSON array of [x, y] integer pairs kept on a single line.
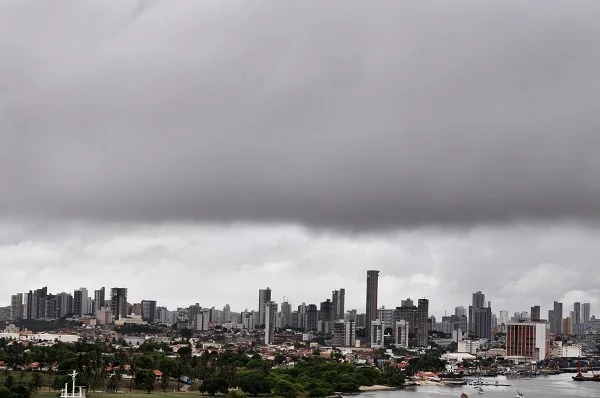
[[103, 367]]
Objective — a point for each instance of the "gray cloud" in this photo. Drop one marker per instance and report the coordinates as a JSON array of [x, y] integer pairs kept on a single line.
[[332, 114]]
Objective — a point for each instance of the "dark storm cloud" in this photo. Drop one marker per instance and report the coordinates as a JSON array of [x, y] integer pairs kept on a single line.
[[342, 114]]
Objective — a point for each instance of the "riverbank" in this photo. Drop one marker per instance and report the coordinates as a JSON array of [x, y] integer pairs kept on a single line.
[[375, 388]]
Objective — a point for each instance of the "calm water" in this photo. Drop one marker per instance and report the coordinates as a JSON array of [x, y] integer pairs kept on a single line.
[[539, 387]]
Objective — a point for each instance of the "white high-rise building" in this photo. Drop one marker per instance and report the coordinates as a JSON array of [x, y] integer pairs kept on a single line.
[[270, 315], [376, 334], [401, 334]]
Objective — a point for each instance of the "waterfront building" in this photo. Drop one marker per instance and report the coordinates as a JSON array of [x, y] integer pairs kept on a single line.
[[371, 302], [526, 340], [264, 296]]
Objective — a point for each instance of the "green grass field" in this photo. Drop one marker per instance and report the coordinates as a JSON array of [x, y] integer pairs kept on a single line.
[[24, 377]]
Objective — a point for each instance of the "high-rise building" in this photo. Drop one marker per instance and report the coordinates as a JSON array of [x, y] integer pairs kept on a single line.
[[585, 313], [557, 318], [535, 313], [401, 330], [148, 310], [99, 299], [285, 314], [576, 313], [482, 323], [337, 298], [376, 334], [567, 326], [372, 291], [79, 303], [477, 302], [407, 303], [410, 314], [264, 296], [227, 313], [387, 318], [64, 304], [423, 333], [270, 313], [118, 302], [459, 311], [312, 318], [302, 316], [16, 306], [344, 334], [526, 340], [503, 317]]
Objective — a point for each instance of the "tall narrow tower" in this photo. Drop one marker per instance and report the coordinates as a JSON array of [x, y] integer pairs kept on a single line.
[[264, 296], [371, 310]]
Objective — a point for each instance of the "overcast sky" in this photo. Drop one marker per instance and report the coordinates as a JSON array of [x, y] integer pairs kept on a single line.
[[196, 151]]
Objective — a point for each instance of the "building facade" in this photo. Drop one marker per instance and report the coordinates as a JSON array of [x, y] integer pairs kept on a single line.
[[526, 340], [371, 304]]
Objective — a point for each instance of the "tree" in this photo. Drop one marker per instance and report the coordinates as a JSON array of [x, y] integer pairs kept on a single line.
[[213, 385], [144, 378], [164, 382], [9, 382], [36, 381], [5, 393], [253, 382]]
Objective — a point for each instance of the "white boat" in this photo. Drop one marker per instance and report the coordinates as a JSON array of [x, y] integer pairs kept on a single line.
[[519, 395]]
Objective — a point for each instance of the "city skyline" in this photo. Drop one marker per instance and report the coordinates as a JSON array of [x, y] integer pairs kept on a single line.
[[580, 311], [198, 151]]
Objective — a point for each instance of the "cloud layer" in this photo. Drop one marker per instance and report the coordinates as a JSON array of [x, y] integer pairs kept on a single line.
[[516, 266], [352, 115]]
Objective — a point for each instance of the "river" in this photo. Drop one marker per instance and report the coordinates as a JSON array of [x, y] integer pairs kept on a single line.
[[538, 387]]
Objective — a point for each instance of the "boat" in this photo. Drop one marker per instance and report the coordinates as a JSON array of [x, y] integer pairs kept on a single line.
[[519, 395], [463, 395], [480, 391]]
